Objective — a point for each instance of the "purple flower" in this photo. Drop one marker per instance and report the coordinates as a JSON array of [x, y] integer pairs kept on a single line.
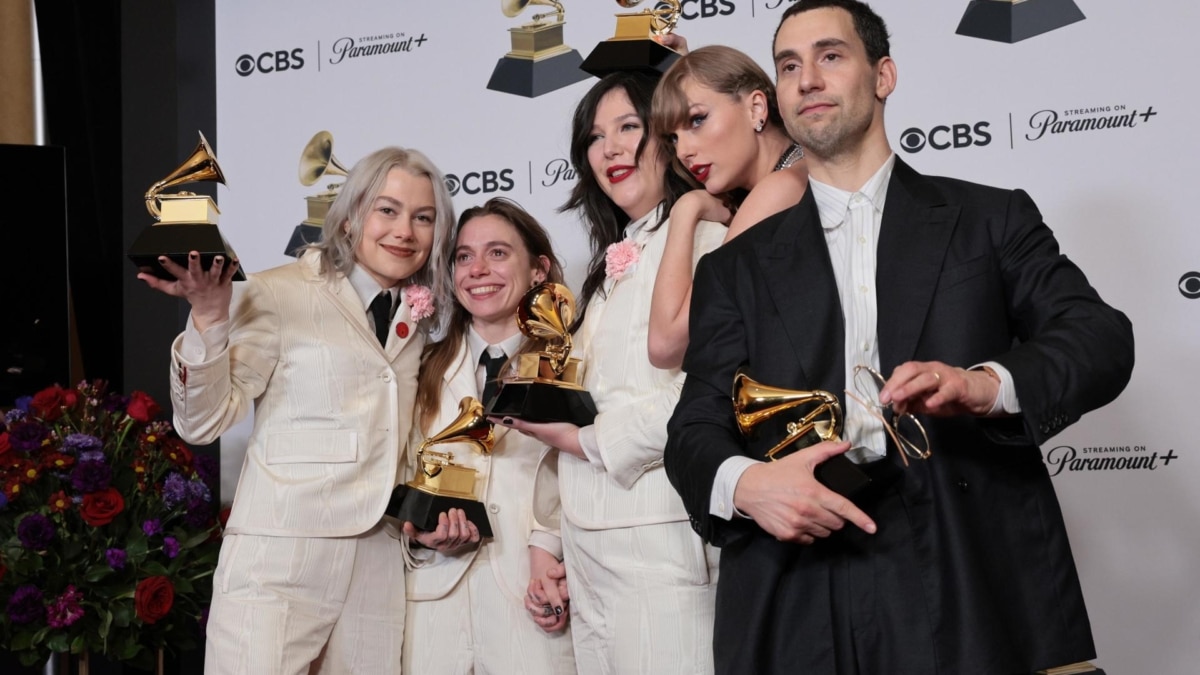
[[175, 490], [25, 403], [208, 469], [152, 527], [78, 443], [35, 531], [91, 456], [65, 609], [114, 403], [198, 514], [116, 558], [90, 476], [27, 435], [14, 415], [25, 605], [170, 546], [3, 500]]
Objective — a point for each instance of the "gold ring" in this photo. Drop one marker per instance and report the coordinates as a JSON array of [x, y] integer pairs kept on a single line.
[[937, 377]]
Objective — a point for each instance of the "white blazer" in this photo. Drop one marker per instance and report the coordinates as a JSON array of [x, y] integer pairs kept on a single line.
[[504, 482], [332, 408], [634, 398]]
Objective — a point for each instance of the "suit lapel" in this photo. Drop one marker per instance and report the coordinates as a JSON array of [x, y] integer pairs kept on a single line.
[[913, 237], [799, 279], [342, 295]]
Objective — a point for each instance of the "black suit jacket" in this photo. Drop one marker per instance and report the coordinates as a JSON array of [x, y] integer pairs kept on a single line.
[[966, 273]]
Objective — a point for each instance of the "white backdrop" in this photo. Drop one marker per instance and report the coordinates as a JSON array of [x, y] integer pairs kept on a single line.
[[1118, 199]]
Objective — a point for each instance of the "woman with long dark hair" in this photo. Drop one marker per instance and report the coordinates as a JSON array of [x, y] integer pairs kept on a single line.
[[641, 582]]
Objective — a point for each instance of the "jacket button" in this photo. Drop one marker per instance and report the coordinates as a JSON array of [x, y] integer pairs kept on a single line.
[[493, 508], [963, 485]]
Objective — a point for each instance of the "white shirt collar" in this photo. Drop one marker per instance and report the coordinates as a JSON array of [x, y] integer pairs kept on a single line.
[[632, 230], [832, 202], [476, 345], [366, 287]]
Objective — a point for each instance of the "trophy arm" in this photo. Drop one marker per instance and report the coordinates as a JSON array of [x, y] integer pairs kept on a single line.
[[666, 18], [827, 430], [152, 201]]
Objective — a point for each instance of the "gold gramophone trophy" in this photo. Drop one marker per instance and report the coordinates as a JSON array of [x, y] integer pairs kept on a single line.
[[316, 161], [538, 62], [440, 484], [186, 221], [547, 386], [754, 403], [633, 47], [1015, 20]]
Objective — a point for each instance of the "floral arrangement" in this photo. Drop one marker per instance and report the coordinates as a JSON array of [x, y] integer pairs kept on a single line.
[[620, 257], [108, 534], [420, 301]]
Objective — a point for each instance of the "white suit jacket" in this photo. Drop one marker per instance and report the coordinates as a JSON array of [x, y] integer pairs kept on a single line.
[[634, 398], [504, 482], [332, 408]]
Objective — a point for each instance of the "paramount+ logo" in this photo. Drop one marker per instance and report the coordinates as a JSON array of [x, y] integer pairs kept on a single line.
[[270, 62], [480, 182], [946, 137]]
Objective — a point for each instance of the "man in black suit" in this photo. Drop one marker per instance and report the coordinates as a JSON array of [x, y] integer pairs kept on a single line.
[[956, 292]]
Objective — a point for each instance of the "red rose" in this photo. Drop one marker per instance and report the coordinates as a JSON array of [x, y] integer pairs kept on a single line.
[[99, 508], [5, 446], [70, 398], [48, 403], [141, 407], [153, 597]]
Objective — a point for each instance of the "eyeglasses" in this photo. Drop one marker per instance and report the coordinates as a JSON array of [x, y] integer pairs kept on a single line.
[[906, 431]]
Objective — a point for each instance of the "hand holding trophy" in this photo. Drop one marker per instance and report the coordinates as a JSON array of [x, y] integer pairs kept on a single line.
[[187, 221], [632, 46], [547, 386], [439, 484]]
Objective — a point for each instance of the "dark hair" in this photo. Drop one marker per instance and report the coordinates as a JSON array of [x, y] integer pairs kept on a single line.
[[438, 356], [604, 220], [869, 25]]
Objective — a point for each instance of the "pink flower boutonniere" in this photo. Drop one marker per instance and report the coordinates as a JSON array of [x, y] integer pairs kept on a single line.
[[420, 301], [620, 257]]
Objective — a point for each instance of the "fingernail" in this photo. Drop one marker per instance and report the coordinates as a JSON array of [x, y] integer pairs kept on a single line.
[[507, 421], [193, 256], [557, 610]]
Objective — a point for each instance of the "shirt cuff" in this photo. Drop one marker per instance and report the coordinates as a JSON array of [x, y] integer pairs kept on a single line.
[[591, 445], [197, 347], [1006, 398], [728, 474], [548, 543]]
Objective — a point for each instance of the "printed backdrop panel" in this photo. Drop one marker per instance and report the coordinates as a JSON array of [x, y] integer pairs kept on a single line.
[[1092, 118]]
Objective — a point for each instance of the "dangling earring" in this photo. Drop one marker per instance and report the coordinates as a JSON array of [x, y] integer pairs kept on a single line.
[[759, 127]]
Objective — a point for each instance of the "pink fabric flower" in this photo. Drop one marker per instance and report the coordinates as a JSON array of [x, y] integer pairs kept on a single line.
[[65, 609], [619, 257], [420, 301]]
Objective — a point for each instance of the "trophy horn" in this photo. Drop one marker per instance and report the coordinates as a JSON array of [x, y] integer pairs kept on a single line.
[[469, 427], [317, 159], [200, 166], [754, 403], [546, 312], [665, 17], [512, 8]]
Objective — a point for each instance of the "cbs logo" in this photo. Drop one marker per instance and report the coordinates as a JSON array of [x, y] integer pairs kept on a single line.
[[703, 9], [1189, 285], [478, 182], [943, 137], [270, 62]]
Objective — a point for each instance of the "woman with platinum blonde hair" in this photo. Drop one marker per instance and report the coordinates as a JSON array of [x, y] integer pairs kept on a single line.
[[326, 349]]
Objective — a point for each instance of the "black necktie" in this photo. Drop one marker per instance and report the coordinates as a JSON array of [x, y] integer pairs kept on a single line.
[[381, 309], [491, 368]]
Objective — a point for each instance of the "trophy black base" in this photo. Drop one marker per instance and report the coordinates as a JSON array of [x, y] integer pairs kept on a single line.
[[857, 482], [422, 509], [530, 78], [1010, 22], [175, 241], [645, 56], [541, 402], [302, 236]]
